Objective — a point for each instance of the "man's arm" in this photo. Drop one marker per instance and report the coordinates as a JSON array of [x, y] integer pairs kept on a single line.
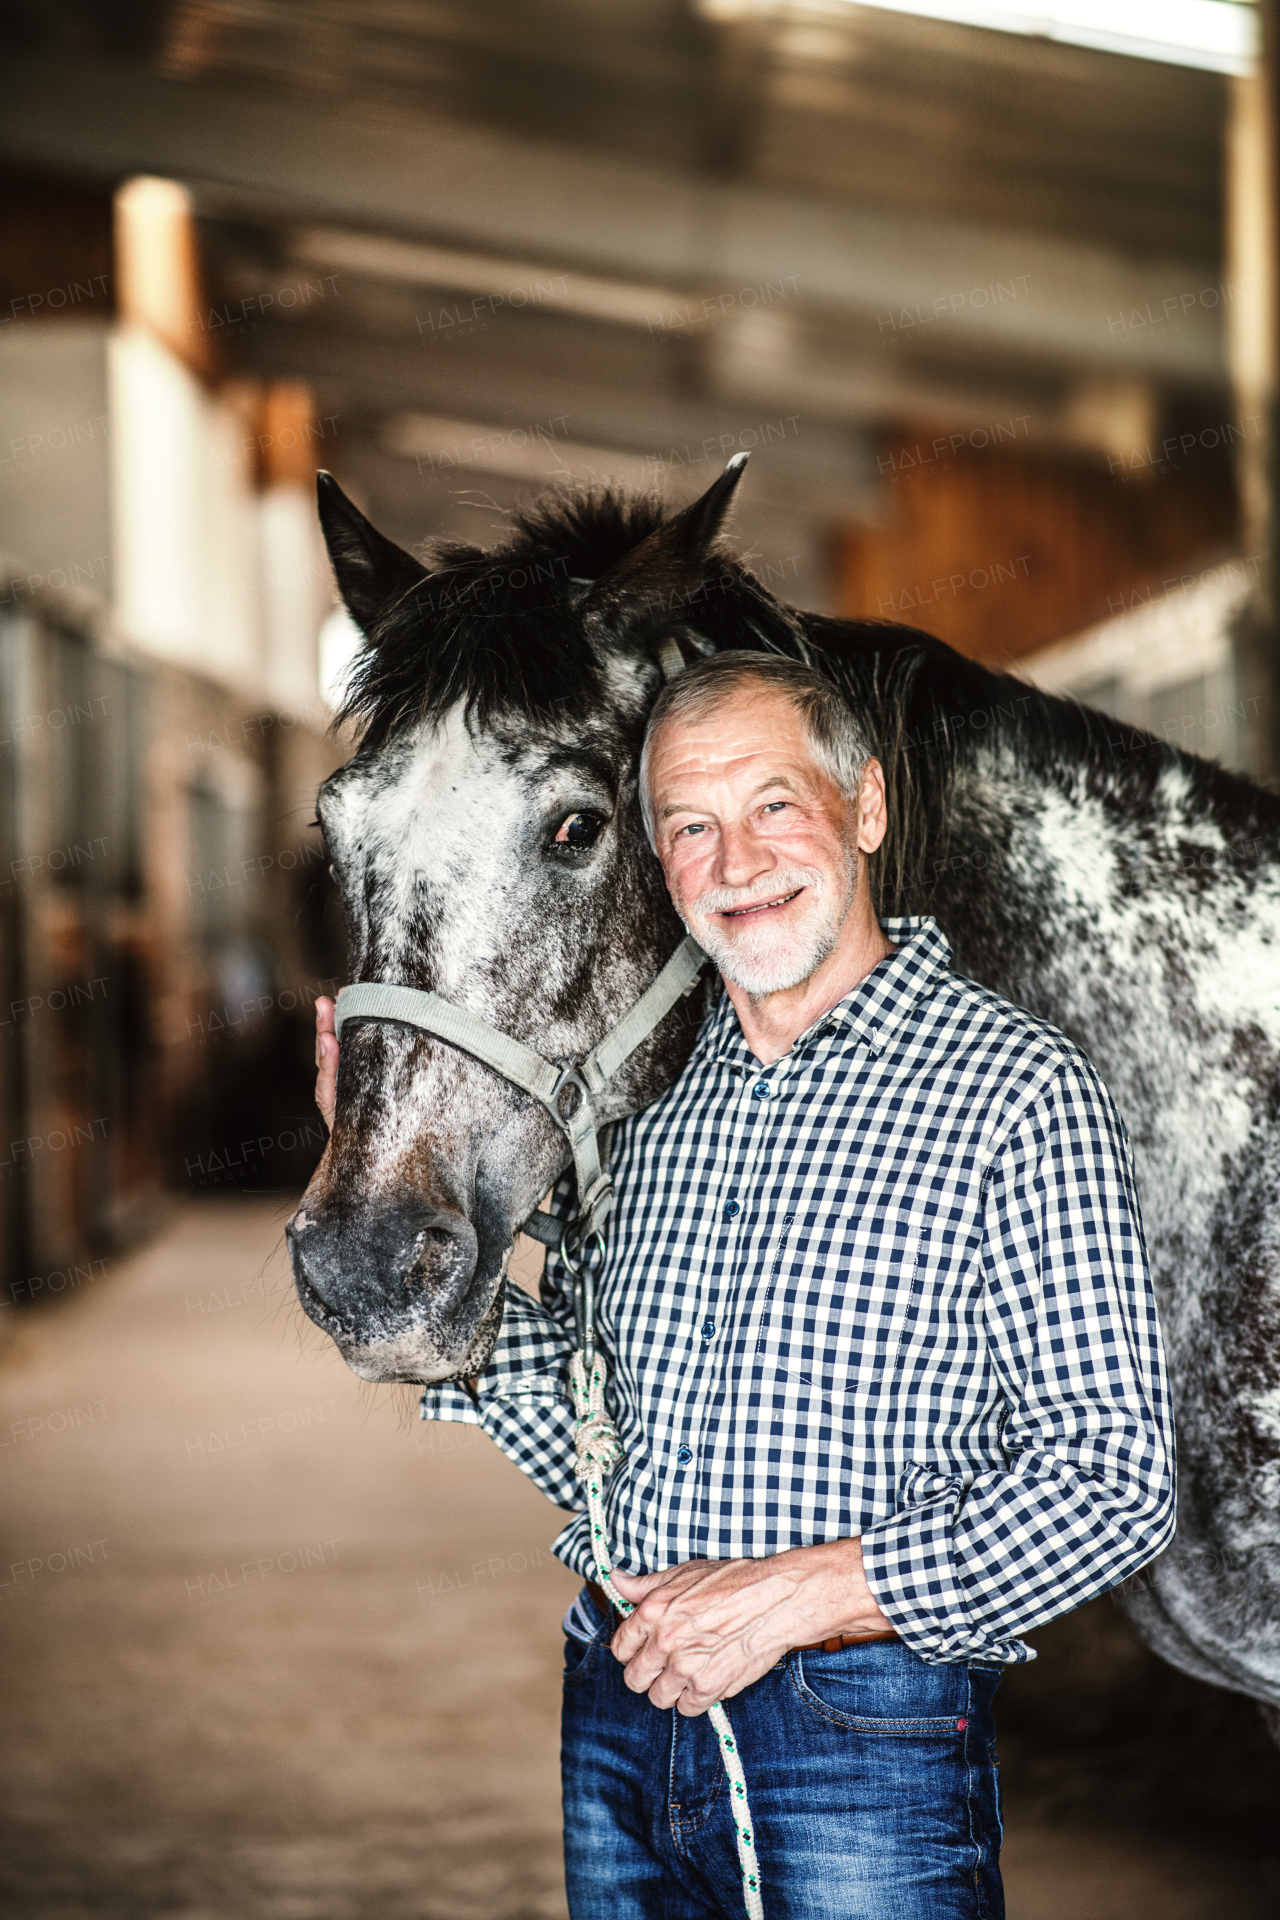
[[522, 1398], [1086, 1495]]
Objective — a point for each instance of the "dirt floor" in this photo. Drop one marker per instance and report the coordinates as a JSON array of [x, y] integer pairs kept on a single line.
[[277, 1651]]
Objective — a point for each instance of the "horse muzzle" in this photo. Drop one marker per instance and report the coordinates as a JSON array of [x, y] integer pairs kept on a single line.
[[395, 1288]]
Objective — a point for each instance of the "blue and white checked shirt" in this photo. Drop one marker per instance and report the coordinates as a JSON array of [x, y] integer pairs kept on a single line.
[[893, 1285]]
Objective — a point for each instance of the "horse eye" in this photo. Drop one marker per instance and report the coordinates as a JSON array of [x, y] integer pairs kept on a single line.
[[579, 830]]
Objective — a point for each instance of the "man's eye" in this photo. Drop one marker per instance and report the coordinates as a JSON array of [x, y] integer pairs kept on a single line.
[[580, 830], [775, 806]]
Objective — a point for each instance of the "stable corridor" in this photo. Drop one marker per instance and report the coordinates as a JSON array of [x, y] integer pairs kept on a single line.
[[275, 1650]]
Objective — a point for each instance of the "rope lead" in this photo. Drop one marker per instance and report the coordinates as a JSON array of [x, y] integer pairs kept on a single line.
[[599, 1451]]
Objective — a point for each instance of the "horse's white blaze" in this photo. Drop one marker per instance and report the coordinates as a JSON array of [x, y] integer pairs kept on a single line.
[[445, 839]]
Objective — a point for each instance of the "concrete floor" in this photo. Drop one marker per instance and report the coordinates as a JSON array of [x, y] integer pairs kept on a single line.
[[277, 1651]]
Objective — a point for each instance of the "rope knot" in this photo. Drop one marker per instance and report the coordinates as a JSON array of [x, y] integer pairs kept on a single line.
[[596, 1439], [598, 1445]]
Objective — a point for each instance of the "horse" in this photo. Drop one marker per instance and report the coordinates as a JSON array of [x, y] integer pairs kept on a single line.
[[488, 844]]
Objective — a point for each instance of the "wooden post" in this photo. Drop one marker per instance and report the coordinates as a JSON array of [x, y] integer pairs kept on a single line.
[[158, 272], [1252, 320]]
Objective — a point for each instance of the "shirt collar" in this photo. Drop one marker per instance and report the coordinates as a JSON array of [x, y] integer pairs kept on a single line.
[[921, 957]]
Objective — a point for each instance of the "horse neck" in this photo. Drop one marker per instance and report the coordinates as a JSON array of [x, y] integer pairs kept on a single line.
[[1063, 852]]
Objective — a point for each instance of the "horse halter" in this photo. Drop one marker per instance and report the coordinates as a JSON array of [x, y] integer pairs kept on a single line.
[[549, 1081]]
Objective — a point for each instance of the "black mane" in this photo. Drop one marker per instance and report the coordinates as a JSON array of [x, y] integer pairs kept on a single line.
[[499, 629], [932, 712]]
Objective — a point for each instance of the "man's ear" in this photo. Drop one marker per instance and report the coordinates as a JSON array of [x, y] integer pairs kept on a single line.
[[873, 812], [649, 587], [372, 572]]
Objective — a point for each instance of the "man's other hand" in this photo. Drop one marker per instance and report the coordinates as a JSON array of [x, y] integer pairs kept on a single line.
[[703, 1631], [326, 1059]]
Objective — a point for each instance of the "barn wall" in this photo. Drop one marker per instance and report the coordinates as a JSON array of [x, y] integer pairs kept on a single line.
[[166, 922], [1000, 550]]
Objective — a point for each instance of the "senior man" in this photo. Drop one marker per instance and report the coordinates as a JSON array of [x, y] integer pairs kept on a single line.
[[884, 1357]]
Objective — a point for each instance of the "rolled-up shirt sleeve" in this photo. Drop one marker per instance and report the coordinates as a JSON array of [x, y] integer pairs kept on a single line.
[[522, 1397], [1086, 1495]]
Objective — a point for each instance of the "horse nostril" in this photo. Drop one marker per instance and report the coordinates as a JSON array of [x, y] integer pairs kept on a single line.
[[351, 1270], [441, 1261], [313, 1300], [430, 1252]]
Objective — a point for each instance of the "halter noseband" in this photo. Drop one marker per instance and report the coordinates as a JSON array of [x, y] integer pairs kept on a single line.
[[549, 1081]]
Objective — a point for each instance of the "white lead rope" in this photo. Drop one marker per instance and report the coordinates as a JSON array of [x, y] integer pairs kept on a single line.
[[599, 1450]]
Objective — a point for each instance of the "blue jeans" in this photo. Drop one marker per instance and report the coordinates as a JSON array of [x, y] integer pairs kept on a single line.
[[872, 1779]]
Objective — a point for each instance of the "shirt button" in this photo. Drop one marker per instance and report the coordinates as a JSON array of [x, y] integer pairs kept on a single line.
[[708, 1328], [684, 1455], [731, 1209], [762, 1090]]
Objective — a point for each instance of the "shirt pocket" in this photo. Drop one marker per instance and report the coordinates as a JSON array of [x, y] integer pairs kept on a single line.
[[844, 1304]]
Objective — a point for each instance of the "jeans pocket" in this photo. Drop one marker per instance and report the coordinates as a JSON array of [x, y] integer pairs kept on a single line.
[[578, 1655], [580, 1652], [883, 1688]]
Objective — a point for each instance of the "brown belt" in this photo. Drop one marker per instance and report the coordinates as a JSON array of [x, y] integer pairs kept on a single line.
[[605, 1606]]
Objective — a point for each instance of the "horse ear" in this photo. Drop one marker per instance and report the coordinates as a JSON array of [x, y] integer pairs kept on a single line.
[[661, 575], [372, 571]]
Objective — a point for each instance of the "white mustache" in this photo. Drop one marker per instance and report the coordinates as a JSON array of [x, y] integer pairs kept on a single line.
[[775, 886]]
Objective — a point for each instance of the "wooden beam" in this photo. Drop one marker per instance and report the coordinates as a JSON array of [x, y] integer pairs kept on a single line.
[[1252, 243], [396, 171]]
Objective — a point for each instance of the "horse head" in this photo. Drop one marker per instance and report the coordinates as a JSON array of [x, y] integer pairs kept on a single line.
[[488, 844]]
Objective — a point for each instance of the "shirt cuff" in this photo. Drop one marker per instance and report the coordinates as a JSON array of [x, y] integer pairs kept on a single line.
[[450, 1402], [910, 1565], [504, 1384]]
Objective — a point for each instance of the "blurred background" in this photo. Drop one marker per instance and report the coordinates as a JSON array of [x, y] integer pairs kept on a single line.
[[992, 302]]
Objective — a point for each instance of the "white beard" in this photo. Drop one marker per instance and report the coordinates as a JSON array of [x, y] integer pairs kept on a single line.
[[761, 956]]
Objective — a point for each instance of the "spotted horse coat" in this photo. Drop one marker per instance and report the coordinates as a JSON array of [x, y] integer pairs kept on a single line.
[[488, 843]]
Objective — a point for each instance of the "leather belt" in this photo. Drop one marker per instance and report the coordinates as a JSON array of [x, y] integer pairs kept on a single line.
[[605, 1606]]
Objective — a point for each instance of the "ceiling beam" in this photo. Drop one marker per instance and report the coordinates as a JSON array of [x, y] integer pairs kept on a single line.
[[678, 440], [420, 176]]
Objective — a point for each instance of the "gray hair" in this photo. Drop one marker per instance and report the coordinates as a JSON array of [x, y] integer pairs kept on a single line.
[[840, 746]]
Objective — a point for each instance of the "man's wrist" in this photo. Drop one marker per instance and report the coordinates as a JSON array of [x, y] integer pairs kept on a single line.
[[856, 1607]]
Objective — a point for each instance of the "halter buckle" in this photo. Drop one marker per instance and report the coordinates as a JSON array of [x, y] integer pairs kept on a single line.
[[570, 1075]]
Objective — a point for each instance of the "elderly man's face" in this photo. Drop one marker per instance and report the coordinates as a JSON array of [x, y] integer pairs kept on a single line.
[[757, 842]]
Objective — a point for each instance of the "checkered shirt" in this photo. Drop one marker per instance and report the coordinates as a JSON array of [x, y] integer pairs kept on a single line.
[[893, 1285]]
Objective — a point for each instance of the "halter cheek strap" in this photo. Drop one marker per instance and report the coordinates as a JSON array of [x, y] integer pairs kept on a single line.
[[549, 1081]]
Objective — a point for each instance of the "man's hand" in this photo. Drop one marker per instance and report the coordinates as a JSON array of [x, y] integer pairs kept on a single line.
[[326, 1059], [704, 1631]]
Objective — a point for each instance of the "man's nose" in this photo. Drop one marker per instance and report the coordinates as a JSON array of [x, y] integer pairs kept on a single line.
[[742, 856]]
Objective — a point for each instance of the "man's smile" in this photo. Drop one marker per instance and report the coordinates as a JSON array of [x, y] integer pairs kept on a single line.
[[760, 906]]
